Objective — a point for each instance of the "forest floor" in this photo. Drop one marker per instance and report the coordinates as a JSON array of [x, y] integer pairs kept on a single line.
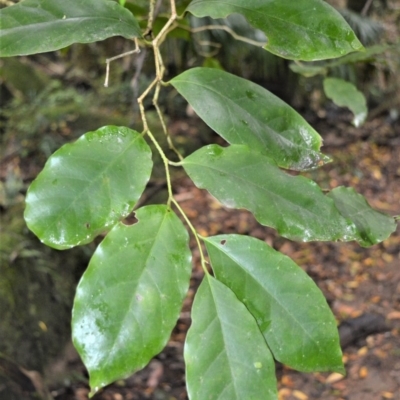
[[361, 285]]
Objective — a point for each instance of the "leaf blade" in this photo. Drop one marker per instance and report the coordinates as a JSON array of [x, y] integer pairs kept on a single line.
[[245, 113], [289, 308], [293, 205], [312, 29], [372, 226], [232, 358], [345, 94], [36, 26], [87, 186], [130, 297]]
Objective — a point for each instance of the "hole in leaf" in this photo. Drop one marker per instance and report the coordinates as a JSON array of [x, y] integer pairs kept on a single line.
[[223, 242], [130, 219]]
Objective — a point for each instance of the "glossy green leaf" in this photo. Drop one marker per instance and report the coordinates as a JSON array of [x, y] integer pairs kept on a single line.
[[225, 353], [245, 113], [288, 306], [37, 26], [299, 30], [130, 297], [242, 178], [345, 94], [372, 226], [88, 186]]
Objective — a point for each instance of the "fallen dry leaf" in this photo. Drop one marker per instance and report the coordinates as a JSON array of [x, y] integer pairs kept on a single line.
[[334, 377], [380, 353], [363, 373], [286, 380], [362, 351], [299, 395], [352, 284], [375, 299], [283, 393], [394, 315]]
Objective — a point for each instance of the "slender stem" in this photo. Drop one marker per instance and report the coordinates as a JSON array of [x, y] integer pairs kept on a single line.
[[161, 35], [208, 43], [226, 29], [128, 53], [151, 18], [175, 164], [203, 260], [157, 83], [366, 7], [135, 79], [141, 106], [165, 161], [163, 124]]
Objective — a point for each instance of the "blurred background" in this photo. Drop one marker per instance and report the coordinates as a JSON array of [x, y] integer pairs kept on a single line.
[[53, 98]]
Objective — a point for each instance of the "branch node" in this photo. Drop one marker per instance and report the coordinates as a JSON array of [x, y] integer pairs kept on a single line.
[[109, 60]]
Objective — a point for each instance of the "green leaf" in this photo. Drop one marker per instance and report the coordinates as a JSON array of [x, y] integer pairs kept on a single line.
[[130, 297], [299, 30], [371, 54], [345, 94], [245, 113], [225, 354], [37, 26], [210, 62], [288, 306], [309, 69], [88, 186], [372, 226], [242, 178]]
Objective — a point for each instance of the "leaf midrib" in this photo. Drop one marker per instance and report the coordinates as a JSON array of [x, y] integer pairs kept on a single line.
[[133, 298]]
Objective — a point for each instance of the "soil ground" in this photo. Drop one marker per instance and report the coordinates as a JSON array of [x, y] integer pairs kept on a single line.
[[356, 281]]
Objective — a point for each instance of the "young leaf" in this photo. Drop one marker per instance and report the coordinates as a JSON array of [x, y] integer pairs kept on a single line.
[[88, 186], [288, 306], [129, 299], [225, 353], [37, 26], [372, 226], [243, 178], [299, 30], [345, 94], [245, 113]]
